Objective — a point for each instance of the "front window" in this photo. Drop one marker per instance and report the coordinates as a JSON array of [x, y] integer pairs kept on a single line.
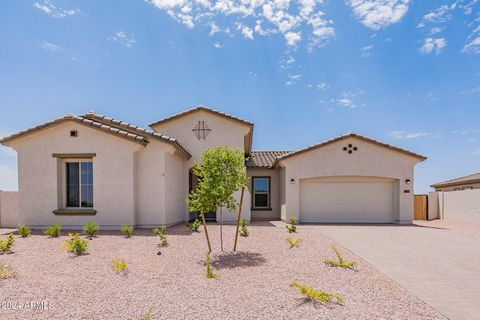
[[261, 192], [80, 184]]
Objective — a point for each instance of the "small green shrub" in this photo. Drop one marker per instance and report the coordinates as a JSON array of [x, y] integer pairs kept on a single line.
[[161, 233], [243, 228], [208, 269], [120, 265], [293, 220], [147, 316], [291, 228], [76, 244], [294, 242], [53, 231], [126, 230], [195, 225], [6, 272], [91, 228], [311, 294], [23, 231], [7, 245], [341, 262]]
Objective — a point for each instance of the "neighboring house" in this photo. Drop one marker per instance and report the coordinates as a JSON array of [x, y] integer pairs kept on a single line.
[[463, 183], [91, 167]]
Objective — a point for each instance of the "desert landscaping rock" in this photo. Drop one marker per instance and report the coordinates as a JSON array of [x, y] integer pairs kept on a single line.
[[252, 283]]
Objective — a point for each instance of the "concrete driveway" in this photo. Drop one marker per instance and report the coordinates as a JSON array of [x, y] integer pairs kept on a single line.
[[440, 266]]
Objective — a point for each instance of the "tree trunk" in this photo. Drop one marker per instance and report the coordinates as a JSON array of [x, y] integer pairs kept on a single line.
[[238, 220], [221, 228], [206, 232]]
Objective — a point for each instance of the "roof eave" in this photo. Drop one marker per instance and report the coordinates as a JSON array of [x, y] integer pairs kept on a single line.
[[140, 131], [454, 184], [95, 125], [345, 136], [200, 108]]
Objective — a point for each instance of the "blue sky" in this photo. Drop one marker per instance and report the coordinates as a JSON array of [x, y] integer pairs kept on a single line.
[[404, 72]]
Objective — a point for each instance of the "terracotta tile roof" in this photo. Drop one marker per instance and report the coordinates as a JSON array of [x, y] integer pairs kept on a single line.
[[137, 130], [472, 178], [81, 120], [345, 136], [248, 137], [198, 108], [263, 159]]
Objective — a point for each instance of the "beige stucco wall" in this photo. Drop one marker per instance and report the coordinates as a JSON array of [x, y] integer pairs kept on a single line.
[[370, 160], [224, 132], [150, 182], [8, 209], [473, 185], [433, 206], [459, 205], [274, 193], [175, 194], [113, 171]]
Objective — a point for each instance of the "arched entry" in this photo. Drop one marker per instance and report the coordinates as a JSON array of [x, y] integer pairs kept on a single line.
[[192, 184]]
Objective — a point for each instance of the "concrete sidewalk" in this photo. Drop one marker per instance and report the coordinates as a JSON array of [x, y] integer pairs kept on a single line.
[[439, 266]]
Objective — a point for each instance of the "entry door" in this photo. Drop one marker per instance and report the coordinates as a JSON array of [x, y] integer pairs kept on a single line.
[[192, 184]]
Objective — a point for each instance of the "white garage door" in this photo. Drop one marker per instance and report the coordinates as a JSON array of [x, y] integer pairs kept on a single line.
[[347, 200]]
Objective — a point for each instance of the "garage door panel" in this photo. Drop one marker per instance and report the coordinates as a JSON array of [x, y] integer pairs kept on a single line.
[[356, 201]]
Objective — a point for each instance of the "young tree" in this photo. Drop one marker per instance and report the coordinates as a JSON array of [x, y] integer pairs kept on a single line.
[[220, 173]]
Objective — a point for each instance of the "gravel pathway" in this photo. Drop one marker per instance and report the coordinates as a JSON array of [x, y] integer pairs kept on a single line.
[[252, 283]]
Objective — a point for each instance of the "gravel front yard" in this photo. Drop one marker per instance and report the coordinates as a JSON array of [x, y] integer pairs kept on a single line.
[[252, 284]]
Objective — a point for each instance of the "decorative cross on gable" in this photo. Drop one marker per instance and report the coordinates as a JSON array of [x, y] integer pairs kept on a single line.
[[350, 148], [201, 130]]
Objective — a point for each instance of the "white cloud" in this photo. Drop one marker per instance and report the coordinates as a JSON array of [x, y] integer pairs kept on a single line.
[[408, 135], [49, 8], [377, 14], [349, 99], [292, 38], [123, 39], [475, 153], [346, 102], [435, 30], [432, 96], [468, 7], [433, 45], [439, 15], [217, 45], [322, 86], [287, 63], [251, 17], [168, 4], [49, 46], [473, 46], [8, 178], [366, 51], [471, 91], [292, 79], [247, 32]]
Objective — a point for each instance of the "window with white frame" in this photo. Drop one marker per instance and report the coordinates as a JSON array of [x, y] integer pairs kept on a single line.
[[79, 187]]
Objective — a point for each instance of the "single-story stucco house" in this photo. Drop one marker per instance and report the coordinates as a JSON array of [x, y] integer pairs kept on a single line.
[[92, 167], [469, 182]]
